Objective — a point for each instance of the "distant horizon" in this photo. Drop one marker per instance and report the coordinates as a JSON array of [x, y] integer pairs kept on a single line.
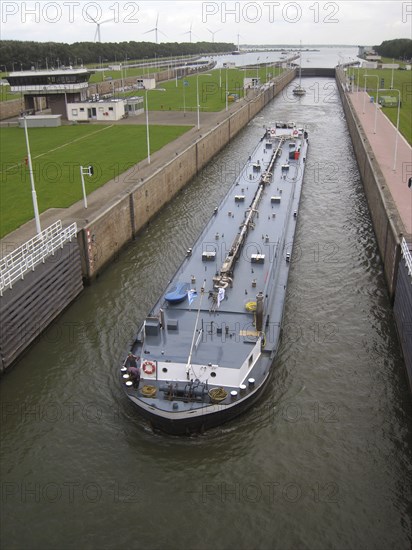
[[241, 45], [234, 22]]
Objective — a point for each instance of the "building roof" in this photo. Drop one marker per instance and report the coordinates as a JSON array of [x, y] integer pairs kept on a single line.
[[49, 72]]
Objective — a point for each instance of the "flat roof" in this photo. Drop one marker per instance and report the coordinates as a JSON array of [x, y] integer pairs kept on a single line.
[[39, 117], [98, 101], [50, 72]]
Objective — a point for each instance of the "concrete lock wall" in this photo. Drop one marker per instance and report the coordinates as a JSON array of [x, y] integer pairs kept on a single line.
[[13, 107], [34, 302], [403, 315], [103, 238], [385, 218]]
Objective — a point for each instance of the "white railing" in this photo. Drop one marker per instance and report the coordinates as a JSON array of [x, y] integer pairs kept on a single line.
[[33, 252], [407, 255]]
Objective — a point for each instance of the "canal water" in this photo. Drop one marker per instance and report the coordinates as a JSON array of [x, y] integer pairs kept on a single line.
[[322, 462]]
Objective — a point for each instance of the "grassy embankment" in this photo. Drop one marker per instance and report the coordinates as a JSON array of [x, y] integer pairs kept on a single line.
[[57, 154]]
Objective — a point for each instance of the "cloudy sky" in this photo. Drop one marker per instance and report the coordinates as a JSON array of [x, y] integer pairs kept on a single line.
[[261, 22]]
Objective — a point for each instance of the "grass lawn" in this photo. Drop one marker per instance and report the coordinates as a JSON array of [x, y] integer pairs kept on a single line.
[[402, 81], [57, 154], [212, 89]]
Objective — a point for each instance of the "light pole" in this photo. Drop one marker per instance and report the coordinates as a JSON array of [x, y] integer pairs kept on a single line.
[[377, 86], [147, 131], [197, 98], [227, 92], [85, 171], [392, 74], [33, 189], [147, 122], [184, 84], [397, 124], [176, 71]]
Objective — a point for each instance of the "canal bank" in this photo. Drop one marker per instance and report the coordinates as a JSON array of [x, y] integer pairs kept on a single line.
[[385, 169]]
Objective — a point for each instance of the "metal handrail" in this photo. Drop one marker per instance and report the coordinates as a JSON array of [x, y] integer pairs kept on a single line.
[[16, 255], [407, 255], [33, 252]]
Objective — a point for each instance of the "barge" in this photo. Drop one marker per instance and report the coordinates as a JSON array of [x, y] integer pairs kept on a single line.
[[205, 352]]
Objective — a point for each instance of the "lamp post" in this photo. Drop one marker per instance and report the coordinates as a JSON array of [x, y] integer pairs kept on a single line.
[[197, 98], [85, 171], [392, 74], [377, 86], [397, 123], [364, 92], [147, 122], [147, 131], [33, 189], [227, 92]]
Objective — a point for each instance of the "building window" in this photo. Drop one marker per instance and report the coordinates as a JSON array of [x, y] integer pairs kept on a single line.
[[74, 112], [82, 109], [110, 108]]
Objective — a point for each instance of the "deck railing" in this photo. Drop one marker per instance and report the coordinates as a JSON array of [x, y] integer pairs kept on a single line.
[[33, 252], [407, 255]]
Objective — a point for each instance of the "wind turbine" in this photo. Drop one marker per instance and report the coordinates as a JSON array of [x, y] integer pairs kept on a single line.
[[213, 33], [156, 30], [97, 33], [189, 32]]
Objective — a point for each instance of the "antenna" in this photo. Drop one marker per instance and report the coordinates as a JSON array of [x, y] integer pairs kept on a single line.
[[156, 30]]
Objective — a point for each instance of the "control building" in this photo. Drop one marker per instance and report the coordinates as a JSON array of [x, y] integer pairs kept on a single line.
[[59, 87]]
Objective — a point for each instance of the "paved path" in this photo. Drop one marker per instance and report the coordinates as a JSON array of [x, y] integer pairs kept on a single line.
[[383, 146]]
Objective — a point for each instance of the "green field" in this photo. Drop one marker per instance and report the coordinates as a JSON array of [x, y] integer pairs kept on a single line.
[[57, 154], [402, 81], [212, 90]]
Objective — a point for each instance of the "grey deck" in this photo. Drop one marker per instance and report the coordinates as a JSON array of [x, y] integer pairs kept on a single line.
[[274, 229]]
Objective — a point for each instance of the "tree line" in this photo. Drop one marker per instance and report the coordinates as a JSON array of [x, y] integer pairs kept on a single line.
[[23, 55], [400, 48]]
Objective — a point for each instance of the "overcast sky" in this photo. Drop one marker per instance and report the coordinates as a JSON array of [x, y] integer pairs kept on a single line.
[[264, 22]]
